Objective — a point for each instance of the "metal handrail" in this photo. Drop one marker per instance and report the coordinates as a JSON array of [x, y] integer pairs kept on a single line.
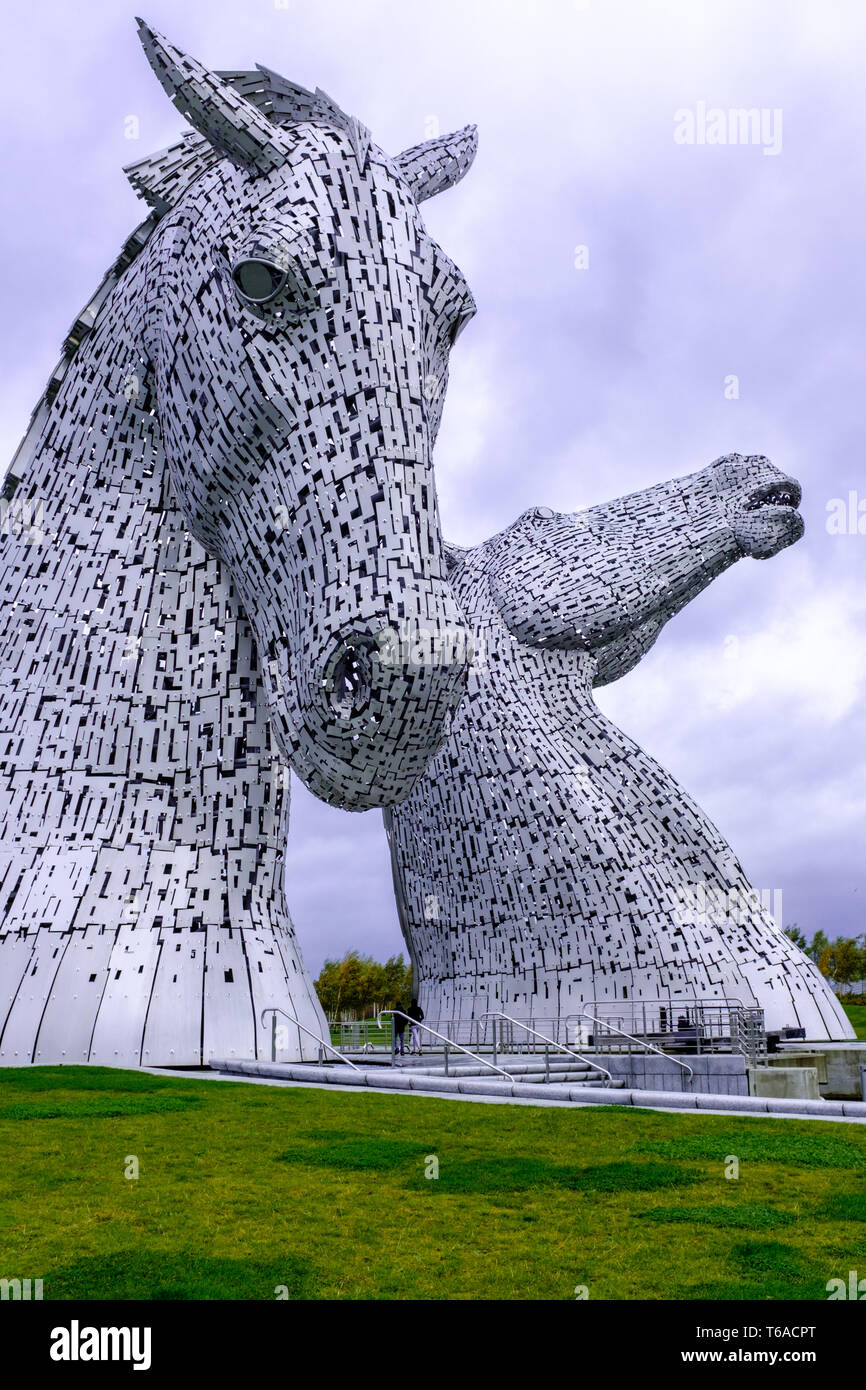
[[670, 1000], [641, 1042], [447, 1041], [497, 1013], [321, 1041], [358, 1033], [710, 1017]]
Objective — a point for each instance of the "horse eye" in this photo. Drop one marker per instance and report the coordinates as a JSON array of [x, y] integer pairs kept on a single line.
[[258, 281]]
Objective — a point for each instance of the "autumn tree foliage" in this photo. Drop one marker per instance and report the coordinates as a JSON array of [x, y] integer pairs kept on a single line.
[[358, 986]]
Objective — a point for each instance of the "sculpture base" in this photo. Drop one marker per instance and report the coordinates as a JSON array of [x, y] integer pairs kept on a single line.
[[796, 999], [136, 996]]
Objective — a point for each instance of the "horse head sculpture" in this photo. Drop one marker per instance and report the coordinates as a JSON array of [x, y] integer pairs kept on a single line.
[[657, 558], [546, 864], [230, 469], [298, 332]]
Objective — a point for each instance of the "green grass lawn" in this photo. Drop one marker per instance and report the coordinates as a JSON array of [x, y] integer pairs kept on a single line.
[[857, 1015], [245, 1188]]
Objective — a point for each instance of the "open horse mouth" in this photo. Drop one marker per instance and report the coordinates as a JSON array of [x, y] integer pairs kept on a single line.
[[784, 492]]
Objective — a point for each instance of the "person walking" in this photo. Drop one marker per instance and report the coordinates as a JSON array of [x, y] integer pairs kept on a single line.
[[399, 1021], [416, 1013]]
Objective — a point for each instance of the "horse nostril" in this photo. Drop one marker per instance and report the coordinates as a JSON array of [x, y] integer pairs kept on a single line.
[[349, 681]]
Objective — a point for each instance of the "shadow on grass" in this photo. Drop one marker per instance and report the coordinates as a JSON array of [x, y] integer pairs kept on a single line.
[[72, 1098], [177, 1276], [633, 1177], [749, 1218], [83, 1079], [843, 1206], [797, 1149], [96, 1107], [764, 1269], [509, 1173], [490, 1175], [382, 1155]]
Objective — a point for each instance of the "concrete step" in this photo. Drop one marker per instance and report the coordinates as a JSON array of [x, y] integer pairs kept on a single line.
[[409, 1081], [582, 1078], [466, 1067], [589, 1077], [419, 1078]]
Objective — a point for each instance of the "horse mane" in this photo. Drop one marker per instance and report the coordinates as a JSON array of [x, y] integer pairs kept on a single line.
[[162, 179], [81, 328]]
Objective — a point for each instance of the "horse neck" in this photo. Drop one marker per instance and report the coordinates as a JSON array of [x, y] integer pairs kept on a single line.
[[96, 468], [510, 672], [127, 666]]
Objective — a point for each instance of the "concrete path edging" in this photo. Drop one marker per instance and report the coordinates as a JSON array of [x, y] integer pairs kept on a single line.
[[386, 1080]]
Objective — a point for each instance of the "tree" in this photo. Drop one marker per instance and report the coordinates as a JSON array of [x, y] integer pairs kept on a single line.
[[820, 943], [842, 961], [794, 934], [359, 986], [328, 987], [397, 983], [353, 973]]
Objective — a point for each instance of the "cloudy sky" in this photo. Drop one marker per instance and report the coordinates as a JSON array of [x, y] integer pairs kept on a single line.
[[572, 385]]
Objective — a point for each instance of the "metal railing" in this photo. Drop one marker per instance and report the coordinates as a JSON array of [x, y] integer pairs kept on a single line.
[[476, 1032], [668, 1025], [365, 1035], [750, 1035], [641, 1042], [449, 1043], [679, 1022], [690, 1025], [358, 1035], [550, 1042], [321, 1041]]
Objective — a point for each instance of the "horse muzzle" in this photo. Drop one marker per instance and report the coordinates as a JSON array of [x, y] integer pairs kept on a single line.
[[374, 709]]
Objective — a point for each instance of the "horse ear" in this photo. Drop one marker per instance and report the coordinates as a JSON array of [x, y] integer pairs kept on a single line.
[[232, 125], [437, 164]]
